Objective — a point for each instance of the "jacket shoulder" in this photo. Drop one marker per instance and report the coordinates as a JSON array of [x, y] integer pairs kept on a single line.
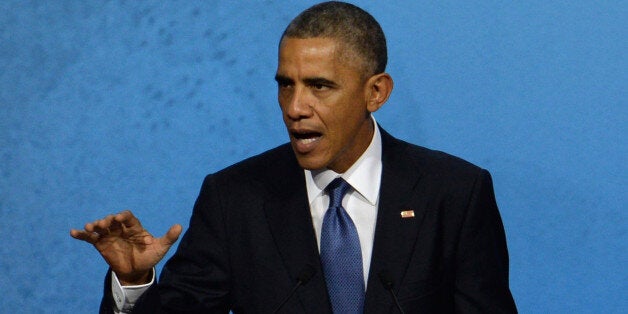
[[270, 166], [435, 160], [427, 161]]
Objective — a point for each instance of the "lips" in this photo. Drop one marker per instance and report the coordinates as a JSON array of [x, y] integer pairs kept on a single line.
[[304, 141]]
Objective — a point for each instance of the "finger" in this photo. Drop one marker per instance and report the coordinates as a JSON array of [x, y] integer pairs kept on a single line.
[[105, 222], [88, 237], [96, 224], [102, 226], [89, 227], [77, 234], [172, 235], [127, 219]]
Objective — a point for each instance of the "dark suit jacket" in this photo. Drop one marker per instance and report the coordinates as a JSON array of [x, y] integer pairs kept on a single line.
[[251, 235]]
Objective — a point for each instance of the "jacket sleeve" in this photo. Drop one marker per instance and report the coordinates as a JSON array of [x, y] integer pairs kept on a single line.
[[481, 284], [196, 278], [106, 304]]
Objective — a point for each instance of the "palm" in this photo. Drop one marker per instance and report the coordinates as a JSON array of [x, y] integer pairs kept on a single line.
[[126, 246], [129, 251]]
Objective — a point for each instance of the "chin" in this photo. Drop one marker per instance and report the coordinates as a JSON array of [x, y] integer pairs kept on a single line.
[[309, 164]]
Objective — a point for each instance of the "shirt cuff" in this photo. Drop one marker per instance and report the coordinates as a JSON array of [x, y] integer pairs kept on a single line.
[[126, 296]]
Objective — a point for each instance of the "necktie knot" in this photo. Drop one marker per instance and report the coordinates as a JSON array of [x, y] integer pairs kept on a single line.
[[337, 190]]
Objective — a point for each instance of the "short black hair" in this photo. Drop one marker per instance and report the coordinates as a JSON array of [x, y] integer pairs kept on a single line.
[[350, 24]]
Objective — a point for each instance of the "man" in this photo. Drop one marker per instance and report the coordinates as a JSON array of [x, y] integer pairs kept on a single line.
[[406, 229]]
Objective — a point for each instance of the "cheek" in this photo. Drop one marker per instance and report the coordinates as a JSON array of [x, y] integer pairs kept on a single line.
[[281, 100], [348, 117], [284, 115]]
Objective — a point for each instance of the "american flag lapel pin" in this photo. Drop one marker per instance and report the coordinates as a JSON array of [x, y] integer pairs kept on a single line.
[[407, 214]]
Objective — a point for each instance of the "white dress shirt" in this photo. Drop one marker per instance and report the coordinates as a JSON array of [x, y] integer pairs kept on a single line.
[[361, 203]]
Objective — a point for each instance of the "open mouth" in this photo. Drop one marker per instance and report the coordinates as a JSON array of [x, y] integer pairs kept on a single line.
[[304, 141], [306, 137]]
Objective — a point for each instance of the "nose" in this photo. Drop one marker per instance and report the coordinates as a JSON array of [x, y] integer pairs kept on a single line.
[[297, 105]]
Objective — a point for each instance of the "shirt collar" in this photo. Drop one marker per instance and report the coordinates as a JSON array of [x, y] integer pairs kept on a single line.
[[364, 175]]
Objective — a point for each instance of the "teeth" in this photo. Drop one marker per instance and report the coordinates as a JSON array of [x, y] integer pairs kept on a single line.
[[308, 140]]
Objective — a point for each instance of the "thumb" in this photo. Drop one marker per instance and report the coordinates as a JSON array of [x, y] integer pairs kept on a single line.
[[172, 235]]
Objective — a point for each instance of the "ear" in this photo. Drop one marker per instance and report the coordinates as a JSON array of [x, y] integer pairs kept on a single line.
[[378, 88]]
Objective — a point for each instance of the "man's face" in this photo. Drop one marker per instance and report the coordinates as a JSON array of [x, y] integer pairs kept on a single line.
[[323, 101]]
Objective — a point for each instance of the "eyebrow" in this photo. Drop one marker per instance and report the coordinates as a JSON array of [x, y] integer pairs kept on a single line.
[[283, 79], [319, 81], [308, 81]]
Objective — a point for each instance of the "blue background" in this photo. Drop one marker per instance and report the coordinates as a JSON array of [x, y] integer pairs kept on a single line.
[[109, 105]]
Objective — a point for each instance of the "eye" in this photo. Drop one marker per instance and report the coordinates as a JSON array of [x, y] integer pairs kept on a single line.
[[320, 86], [283, 82], [283, 85]]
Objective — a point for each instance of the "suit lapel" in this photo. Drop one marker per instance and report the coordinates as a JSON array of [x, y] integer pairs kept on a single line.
[[395, 237], [288, 215]]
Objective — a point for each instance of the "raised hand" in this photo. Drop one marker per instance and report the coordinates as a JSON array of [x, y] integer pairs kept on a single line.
[[126, 246]]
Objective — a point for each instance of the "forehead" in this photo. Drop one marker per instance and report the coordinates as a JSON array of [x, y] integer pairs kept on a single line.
[[313, 56], [308, 52]]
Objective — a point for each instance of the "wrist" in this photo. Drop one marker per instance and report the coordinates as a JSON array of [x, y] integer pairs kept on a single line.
[[135, 279]]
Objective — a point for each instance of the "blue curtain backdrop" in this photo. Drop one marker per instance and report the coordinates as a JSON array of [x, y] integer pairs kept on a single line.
[[109, 105]]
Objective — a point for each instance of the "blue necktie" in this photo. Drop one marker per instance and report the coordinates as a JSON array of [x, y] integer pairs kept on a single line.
[[341, 255]]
